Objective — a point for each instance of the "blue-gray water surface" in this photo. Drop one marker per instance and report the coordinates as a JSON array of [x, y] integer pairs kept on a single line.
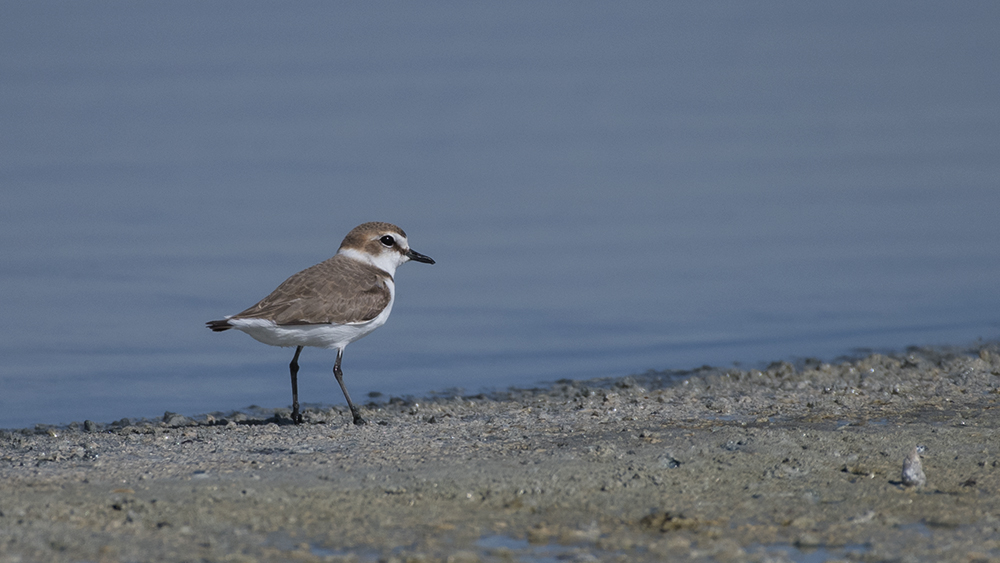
[[607, 189]]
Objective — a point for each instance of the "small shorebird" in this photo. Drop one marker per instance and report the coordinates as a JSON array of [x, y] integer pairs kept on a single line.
[[332, 303]]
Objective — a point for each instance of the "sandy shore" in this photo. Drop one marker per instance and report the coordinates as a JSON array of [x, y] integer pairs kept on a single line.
[[789, 464]]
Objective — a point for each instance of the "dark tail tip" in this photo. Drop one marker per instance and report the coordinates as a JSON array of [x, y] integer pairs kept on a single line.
[[218, 326]]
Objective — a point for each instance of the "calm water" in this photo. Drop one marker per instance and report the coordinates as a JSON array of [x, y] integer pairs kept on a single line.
[[607, 189]]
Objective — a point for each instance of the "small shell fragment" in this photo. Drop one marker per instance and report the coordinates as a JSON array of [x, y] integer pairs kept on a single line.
[[913, 471]]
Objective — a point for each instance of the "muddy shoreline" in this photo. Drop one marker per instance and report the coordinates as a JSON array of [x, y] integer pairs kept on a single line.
[[791, 463]]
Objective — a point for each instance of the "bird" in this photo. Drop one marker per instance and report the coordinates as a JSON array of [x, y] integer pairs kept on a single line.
[[333, 303]]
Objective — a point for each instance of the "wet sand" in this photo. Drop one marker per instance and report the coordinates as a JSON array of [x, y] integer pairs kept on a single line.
[[791, 463]]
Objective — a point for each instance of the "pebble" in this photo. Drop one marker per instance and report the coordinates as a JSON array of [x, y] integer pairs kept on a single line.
[[913, 471]]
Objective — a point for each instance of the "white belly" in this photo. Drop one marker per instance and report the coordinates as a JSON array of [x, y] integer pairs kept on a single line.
[[319, 336]]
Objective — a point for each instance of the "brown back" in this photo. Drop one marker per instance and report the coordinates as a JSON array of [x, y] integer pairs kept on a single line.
[[339, 290]]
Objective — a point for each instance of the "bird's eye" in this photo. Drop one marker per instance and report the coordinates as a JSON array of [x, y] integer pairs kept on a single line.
[[387, 240]]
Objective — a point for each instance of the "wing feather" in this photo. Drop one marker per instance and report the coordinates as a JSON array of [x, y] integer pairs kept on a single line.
[[339, 290]]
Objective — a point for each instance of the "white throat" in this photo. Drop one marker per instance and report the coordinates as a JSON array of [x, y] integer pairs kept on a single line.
[[385, 261]]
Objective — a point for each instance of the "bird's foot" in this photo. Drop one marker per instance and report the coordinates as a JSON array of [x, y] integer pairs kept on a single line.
[[358, 421]]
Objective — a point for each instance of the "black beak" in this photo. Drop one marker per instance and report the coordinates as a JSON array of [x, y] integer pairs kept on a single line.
[[414, 255]]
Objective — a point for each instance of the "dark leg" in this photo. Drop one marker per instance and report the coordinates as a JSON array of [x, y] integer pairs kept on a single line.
[[294, 369], [340, 379]]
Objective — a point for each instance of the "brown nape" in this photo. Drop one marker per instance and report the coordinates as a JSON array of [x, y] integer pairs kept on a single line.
[[218, 326]]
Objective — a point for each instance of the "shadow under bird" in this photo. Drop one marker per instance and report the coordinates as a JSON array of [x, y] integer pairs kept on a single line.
[[332, 303]]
